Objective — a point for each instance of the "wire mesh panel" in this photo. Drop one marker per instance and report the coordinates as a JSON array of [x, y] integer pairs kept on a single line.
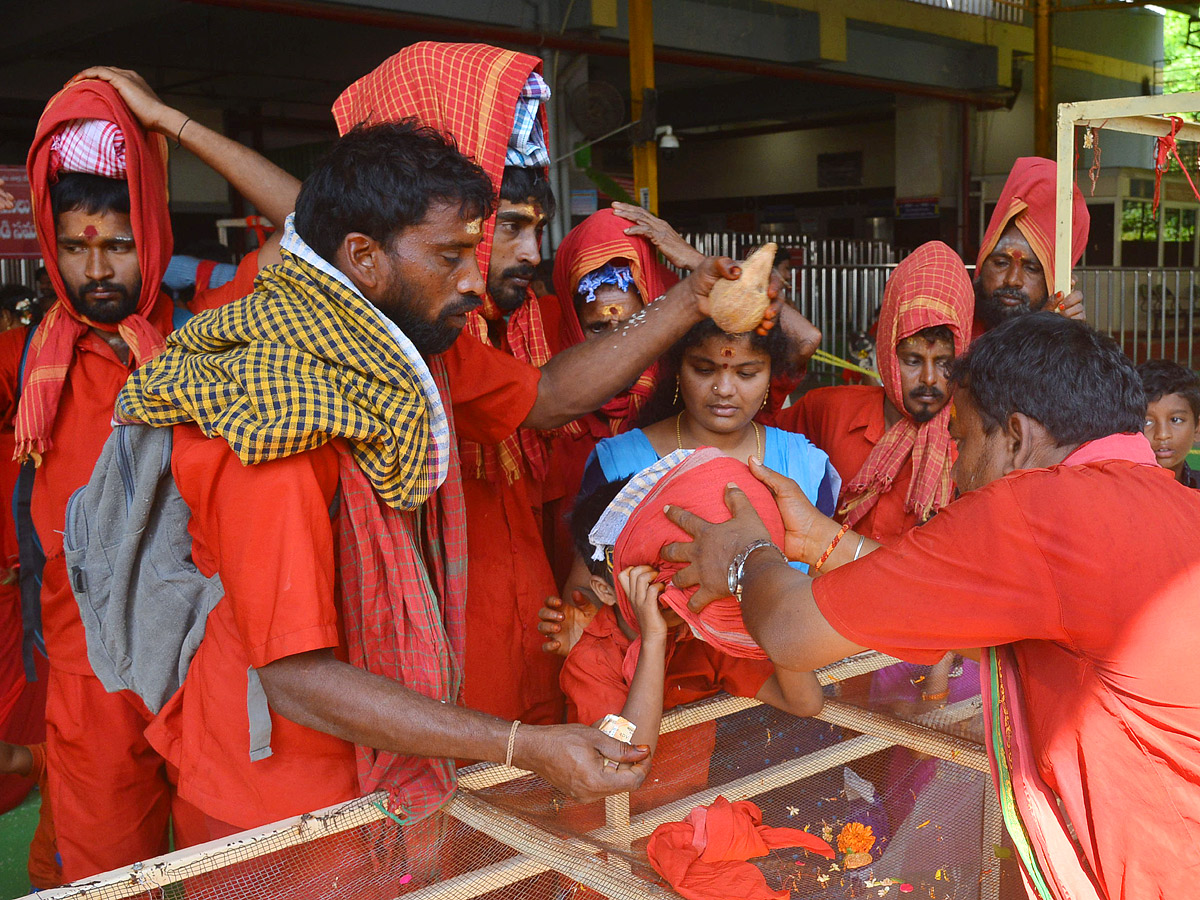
[[899, 790]]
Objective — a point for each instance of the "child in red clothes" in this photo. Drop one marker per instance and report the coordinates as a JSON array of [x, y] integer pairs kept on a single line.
[[673, 667]]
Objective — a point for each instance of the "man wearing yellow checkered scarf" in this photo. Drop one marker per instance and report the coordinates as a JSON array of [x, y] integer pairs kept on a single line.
[[317, 457]]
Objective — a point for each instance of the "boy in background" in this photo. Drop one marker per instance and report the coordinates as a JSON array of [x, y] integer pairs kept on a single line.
[[1172, 415]]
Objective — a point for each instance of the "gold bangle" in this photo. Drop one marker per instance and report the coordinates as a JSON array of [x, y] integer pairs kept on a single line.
[[512, 740], [940, 695]]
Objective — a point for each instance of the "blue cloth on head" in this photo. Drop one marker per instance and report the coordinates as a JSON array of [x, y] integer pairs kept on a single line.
[[527, 143], [621, 276]]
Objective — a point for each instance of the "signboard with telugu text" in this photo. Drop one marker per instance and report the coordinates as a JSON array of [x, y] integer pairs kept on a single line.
[[18, 240]]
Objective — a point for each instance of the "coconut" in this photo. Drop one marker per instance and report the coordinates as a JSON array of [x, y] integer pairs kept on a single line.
[[738, 306]]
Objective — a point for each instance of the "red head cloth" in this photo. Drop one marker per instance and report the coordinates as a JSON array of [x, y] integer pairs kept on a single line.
[[698, 485], [53, 344], [930, 287], [470, 92], [1027, 201], [705, 857], [600, 239]]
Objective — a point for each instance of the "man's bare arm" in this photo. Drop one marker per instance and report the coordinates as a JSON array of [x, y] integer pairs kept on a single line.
[[271, 190], [319, 691], [581, 378]]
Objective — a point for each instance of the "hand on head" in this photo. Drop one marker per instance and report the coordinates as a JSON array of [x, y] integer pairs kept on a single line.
[[677, 251], [138, 96]]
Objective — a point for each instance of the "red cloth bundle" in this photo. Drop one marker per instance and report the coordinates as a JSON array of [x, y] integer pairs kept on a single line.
[[704, 857], [698, 485]]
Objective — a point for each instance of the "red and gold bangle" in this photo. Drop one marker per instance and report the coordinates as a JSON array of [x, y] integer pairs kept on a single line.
[[940, 695], [829, 549]]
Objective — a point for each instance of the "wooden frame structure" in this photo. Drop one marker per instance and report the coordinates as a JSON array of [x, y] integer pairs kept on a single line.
[[1135, 115]]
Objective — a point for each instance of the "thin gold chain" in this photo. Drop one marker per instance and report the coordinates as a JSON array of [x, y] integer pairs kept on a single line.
[[758, 435]]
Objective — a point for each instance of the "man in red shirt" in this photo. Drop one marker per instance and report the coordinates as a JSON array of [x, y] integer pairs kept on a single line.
[[97, 171], [876, 435], [1071, 557], [350, 613], [1014, 272]]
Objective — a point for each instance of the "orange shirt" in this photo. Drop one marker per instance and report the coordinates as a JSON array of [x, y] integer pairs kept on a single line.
[[847, 422], [505, 672], [266, 530], [594, 681], [1092, 572], [81, 427]]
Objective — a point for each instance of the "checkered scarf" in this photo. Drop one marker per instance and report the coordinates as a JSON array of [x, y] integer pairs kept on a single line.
[[527, 143], [930, 287], [403, 578], [595, 242], [52, 349], [471, 92], [300, 361]]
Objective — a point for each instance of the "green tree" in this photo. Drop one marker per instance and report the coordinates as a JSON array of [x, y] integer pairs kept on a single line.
[[1181, 60]]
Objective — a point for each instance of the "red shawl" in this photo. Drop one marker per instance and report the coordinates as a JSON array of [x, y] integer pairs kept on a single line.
[[930, 287], [598, 240], [698, 485], [1027, 201], [470, 92], [53, 345]]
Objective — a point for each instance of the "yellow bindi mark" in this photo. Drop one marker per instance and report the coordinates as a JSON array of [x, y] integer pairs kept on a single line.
[[474, 226], [727, 352]]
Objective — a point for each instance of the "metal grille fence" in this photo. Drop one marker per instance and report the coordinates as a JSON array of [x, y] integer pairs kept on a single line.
[[916, 779]]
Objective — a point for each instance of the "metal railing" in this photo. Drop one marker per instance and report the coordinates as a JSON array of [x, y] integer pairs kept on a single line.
[[811, 251], [1151, 313], [1001, 10], [19, 271]]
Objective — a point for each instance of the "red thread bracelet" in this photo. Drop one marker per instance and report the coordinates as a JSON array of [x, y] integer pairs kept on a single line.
[[829, 549]]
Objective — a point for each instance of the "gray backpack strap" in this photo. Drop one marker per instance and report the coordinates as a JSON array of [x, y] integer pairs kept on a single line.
[[143, 602], [260, 716]]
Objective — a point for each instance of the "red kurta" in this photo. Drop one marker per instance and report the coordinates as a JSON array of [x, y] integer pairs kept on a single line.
[[847, 422], [266, 529], [1093, 572], [508, 576]]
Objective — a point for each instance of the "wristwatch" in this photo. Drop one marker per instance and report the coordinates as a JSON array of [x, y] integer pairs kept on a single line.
[[736, 568]]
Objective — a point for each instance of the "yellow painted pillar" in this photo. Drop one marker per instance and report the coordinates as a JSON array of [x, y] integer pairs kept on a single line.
[[1043, 55], [641, 77]]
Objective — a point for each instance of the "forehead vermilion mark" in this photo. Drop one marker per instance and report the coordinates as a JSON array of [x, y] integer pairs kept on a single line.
[[611, 311], [727, 352], [90, 231]]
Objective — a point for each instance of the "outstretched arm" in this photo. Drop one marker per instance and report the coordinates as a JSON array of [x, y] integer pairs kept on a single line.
[[583, 377], [271, 190], [319, 691]]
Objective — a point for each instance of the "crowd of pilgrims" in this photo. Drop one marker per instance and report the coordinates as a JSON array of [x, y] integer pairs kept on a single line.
[[562, 614]]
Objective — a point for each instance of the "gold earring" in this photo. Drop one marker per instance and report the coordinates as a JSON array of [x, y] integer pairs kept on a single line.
[[766, 397], [675, 402]]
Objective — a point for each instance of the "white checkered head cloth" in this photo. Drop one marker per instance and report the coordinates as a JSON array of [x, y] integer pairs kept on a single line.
[[90, 146]]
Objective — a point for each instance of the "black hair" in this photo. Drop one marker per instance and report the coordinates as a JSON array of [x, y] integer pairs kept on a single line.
[[13, 294], [521, 183], [1161, 377], [665, 401], [380, 179], [586, 513], [782, 255], [935, 333], [92, 194], [1073, 380]]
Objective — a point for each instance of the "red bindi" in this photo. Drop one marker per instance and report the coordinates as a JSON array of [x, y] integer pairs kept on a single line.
[[90, 231]]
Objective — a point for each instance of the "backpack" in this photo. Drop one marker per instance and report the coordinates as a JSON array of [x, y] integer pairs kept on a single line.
[[143, 602]]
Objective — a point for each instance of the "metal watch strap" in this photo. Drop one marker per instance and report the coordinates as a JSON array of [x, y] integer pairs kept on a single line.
[[737, 567]]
